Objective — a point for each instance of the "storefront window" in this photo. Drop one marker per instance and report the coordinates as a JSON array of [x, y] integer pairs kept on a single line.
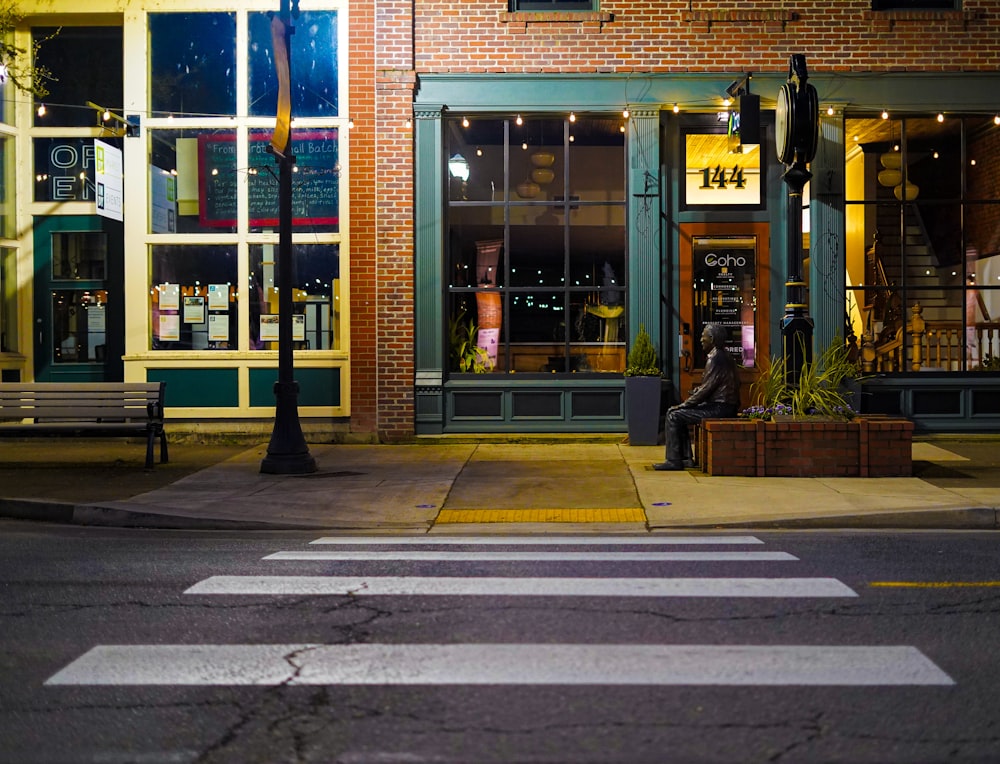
[[315, 300], [64, 169], [194, 175], [8, 184], [193, 297], [86, 65], [79, 325], [923, 243], [314, 55], [196, 78], [315, 181], [536, 248], [8, 300]]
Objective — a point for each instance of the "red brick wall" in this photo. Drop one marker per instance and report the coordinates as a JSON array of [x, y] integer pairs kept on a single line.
[[678, 35], [361, 195], [394, 320]]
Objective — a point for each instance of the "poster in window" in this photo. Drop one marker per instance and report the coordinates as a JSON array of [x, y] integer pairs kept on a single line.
[[170, 327], [218, 296], [269, 328], [194, 310], [218, 327], [170, 296]]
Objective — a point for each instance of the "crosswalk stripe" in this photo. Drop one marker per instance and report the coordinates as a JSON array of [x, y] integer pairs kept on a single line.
[[446, 556], [721, 540], [501, 664], [501, 587]]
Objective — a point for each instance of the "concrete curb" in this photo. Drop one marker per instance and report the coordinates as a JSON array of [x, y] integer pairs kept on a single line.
[[970, 518]]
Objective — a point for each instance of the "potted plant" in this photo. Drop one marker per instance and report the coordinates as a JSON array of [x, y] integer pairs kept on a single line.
[[466, 355], [825, 388], [642, 391]]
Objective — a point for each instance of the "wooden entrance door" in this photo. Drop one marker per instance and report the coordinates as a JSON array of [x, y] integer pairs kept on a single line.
[[724, 279]]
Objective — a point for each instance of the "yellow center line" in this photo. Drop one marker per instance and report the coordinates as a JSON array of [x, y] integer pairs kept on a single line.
[[935, 584]]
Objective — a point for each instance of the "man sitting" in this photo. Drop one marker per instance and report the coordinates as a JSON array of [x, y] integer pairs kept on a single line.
[[717, 396]]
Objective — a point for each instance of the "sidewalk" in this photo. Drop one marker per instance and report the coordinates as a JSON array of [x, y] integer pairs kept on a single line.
[[442, 485]]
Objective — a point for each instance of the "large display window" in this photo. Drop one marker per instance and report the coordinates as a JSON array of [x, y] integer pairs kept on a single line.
[[537, 267], [923, 252]]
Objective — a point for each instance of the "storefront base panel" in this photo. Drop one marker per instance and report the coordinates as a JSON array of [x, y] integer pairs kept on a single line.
[[937, 402], [529, 406]]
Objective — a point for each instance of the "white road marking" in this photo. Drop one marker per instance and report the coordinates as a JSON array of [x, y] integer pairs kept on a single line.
[[502, 664], [445, 556], [531, 587], [537, 540]]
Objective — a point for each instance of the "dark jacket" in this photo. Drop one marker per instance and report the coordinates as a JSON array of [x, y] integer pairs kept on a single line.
[[720, 383]]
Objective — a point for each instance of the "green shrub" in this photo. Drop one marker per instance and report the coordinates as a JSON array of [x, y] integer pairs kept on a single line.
[[641, 361]]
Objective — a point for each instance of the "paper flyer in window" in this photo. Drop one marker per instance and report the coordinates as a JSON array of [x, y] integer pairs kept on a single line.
[[170, 296], [218, 296], [194, 310], [170, 327], [218, 327], [269, 328], [96, 321], [298, 328]]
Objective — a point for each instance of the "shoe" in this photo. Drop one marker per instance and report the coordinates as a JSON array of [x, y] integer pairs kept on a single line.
[[668, 467]]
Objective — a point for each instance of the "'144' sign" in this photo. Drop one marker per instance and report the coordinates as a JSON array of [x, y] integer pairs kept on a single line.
[[721, 177]]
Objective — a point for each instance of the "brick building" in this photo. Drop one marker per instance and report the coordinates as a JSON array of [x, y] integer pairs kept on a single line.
[[493, 197]]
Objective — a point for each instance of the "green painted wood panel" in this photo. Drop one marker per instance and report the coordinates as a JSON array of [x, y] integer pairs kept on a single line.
[[317, 387], [197, 388]]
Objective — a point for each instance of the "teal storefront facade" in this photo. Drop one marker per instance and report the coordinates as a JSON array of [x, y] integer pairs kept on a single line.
[[558, 367]]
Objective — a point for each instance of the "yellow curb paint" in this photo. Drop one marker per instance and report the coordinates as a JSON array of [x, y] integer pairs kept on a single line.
[[610, 515], [934, 584]]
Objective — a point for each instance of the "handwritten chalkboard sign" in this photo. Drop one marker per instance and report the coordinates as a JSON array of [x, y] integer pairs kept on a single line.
[[315, 182]]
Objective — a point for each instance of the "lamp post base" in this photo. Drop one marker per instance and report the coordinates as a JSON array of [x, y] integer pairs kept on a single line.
[[287, 453]]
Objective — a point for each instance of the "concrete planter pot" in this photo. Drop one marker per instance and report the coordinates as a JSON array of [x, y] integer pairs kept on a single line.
[[642, 410], [862, 447]]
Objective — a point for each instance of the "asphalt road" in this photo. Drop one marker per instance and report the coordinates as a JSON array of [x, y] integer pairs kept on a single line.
[[131, 646]]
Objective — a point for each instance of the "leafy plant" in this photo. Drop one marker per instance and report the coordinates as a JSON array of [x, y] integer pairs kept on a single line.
[[16, 63], [990, 363], [821, 390], [641, 361], [466, 355]]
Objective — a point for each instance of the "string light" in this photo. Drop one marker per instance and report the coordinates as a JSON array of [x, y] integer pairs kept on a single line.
[[940, 117], [41, 110], [465, 121], [996, 120], [519, 121], [677, 109], [625, 113], [829, 111], [572, 117], [885, 114]]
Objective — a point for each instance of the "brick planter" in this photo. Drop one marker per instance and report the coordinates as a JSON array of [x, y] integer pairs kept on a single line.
[[801, 448]]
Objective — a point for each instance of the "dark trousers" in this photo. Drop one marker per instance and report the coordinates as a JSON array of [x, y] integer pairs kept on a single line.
[[678, 439]]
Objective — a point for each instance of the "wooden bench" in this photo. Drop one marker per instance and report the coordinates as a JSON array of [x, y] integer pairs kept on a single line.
[[85, 408]]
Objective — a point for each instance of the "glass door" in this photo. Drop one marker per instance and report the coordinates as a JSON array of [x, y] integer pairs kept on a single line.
[[79, 311], [724, 279]]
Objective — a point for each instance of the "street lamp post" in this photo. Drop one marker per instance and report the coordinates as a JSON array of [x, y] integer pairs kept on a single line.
[[287, 453], [796, 135]]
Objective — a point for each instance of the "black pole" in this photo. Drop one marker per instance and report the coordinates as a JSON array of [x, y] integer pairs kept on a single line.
[[287, 453], [796, 325], [797, 121]]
